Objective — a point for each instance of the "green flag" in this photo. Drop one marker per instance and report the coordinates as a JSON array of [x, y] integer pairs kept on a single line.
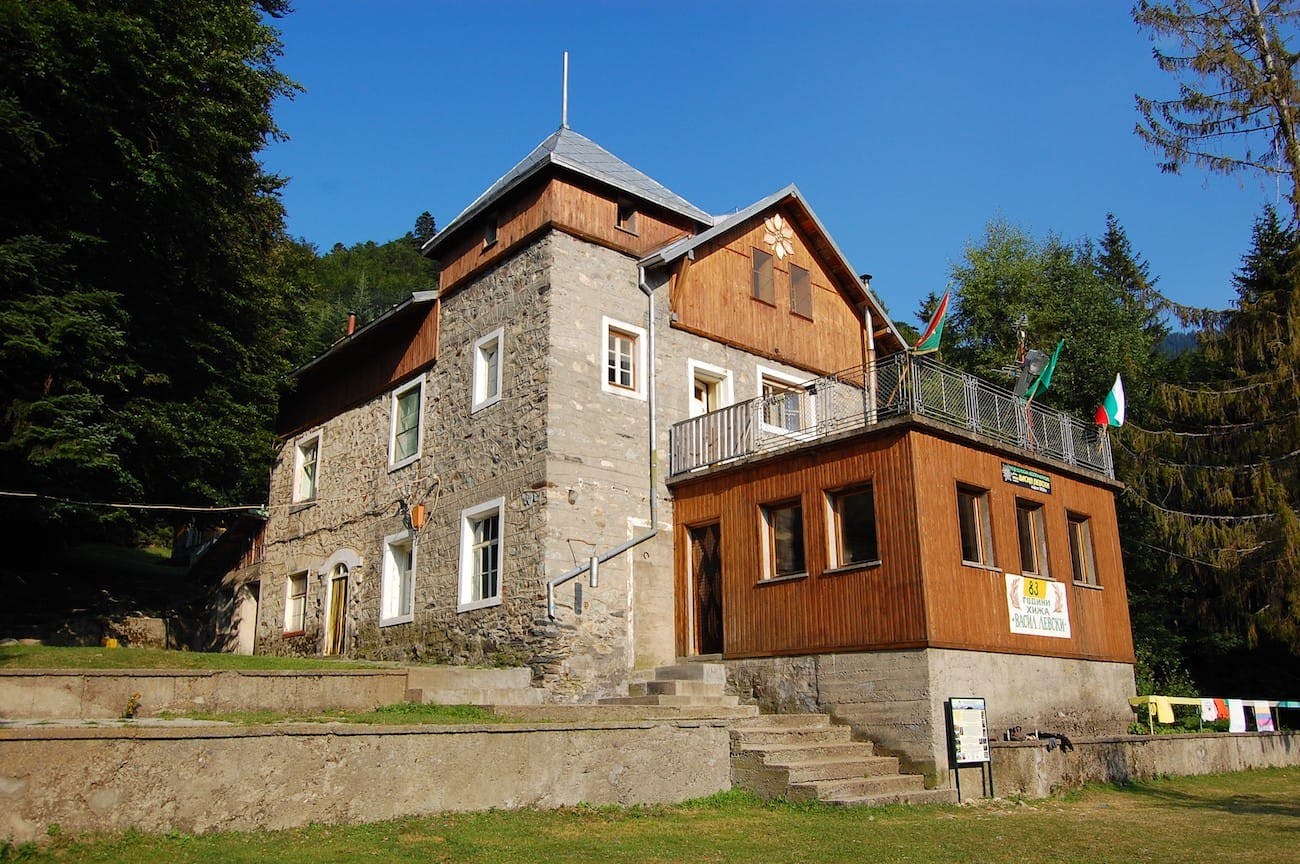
[[1044, 379]]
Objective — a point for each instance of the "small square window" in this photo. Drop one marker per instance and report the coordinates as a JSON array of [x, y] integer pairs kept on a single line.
[[480, 556], [627, 216], [397, 584], [624, 353], [1033, 539], [306, 465], [800, 291], [404, 442], [762, 283], [853, 527], [487, 370], [490, 230], [295, 603], [974, 525], [1082, 560], [783, 533]]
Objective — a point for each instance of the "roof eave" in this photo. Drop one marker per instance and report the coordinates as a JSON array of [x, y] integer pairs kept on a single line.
[[416, 298]]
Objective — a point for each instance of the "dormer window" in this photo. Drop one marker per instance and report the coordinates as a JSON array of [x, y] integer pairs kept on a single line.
[[627, 217], [490, 231]]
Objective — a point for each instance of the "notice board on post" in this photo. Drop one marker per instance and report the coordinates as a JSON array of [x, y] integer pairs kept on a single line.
[[968, 738]]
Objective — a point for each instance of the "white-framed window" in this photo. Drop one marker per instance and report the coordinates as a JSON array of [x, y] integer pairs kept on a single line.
[[711, 387], [295, 603], [1082, 560], [1031, 530], [488, 355], [407, 425], [975, 526], [306, 469], [851, 519], [481, 538], [624, 353], [787, 407], [397, 584], [783, 539]]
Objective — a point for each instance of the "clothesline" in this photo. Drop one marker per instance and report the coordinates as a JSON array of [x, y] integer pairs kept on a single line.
[[1161, 709]]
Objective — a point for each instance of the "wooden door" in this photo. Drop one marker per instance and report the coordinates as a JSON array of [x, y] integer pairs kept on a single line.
[[338, 605], [706, 577]]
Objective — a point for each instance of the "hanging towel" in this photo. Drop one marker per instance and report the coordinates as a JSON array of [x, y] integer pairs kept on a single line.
[[1209, 713], [1263, 716], [1164, 710], [1221, 705], [1236, 715]]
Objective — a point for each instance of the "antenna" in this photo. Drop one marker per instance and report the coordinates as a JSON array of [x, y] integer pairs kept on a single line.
[[564, 101]]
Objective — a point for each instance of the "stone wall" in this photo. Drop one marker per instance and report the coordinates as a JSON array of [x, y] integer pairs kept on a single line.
[[206, 779], [896, 698], [1030, 769]]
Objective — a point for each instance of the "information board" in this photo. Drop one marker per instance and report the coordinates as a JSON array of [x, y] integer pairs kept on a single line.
[[970, 730]]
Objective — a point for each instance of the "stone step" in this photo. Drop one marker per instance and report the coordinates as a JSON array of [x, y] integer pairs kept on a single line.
[[714, 673], [785, 721], [749, 737], [681, 687], [856, 787], [476, 696], [430, 678], [841, 769], [925, 796], [721, 700], [784, 755]]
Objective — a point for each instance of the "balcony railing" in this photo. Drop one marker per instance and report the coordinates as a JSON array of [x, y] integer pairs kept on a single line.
[[893, 387]]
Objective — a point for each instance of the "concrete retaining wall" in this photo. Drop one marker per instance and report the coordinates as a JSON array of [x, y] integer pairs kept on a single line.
[[96, 693], [197, 779], [1029, 769]]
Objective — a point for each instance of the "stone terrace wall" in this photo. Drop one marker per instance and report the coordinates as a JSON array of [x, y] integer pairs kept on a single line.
[[197, 779]]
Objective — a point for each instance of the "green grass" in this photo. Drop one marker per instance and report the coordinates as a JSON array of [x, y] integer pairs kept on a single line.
[[399, 714], [1248, 817], [54, 657]]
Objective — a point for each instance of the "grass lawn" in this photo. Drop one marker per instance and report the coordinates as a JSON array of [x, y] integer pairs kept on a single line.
[[54, 657], [1247, 817]]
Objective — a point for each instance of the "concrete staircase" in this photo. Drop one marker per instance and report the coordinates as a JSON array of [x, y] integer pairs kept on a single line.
[[803, 757], [464, 685], [683, 685]]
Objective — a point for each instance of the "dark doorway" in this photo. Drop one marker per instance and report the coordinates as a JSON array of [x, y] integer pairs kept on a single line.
[[706, 575]]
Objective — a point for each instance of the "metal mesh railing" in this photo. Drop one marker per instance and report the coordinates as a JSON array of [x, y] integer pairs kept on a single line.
[[892, 387]]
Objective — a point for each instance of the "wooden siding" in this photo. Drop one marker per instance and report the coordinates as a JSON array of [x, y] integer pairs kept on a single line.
[[967, 606], [591, 212], [713, 298], [566, 202], [875, 607], [519, 217], [376, 362], [920, 594]]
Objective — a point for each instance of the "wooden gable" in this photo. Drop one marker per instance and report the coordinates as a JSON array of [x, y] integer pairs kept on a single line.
[[713, 296]]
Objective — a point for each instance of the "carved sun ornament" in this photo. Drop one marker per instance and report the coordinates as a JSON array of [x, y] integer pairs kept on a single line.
[[779, 236]]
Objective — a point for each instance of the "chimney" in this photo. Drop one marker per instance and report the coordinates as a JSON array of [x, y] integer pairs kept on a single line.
[[352, 323]]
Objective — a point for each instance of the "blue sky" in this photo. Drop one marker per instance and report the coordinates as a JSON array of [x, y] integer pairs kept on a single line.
[[907, 125]]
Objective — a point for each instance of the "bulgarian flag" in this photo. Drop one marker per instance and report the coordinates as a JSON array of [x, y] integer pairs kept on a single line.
[[1111, 412], [929, 341]]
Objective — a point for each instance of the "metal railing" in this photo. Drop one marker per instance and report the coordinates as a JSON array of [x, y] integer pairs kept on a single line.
[[893, 387]]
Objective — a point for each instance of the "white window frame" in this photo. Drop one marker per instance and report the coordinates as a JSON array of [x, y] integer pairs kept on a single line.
[[289, 596], [397, 394], [465, 590], [698, 369], [480, 399], [639, 368], [390, 582], [298, 497], [809, 404]]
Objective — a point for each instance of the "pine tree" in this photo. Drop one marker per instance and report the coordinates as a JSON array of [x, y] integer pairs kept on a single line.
[[1216, 463]]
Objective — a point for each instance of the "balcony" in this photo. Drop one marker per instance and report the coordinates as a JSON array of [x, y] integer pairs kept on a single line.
[[897, 386]]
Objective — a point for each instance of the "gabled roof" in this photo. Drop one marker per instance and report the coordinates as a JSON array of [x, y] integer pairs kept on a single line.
[[398, 310], [677, 249], [579, 154]]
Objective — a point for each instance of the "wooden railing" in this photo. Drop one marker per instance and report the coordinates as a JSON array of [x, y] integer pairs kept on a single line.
[[895, 386]]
